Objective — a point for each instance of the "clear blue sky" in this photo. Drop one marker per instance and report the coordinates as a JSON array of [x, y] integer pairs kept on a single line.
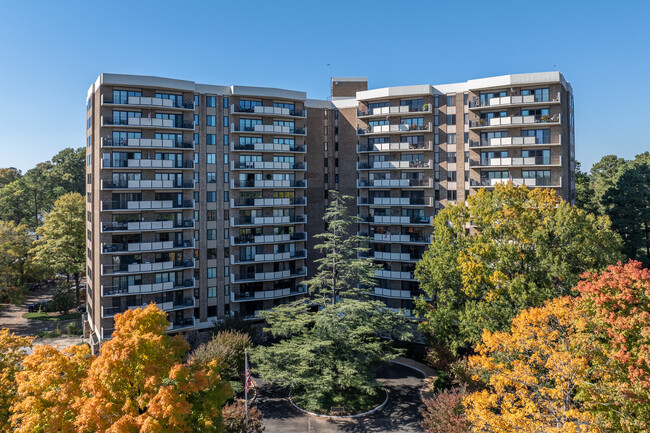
[[50, 53]]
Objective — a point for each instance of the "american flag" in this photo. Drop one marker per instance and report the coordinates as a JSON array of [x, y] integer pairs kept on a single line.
[[249, 379]]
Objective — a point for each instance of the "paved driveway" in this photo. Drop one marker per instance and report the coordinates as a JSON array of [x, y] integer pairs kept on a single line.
[[399, 415]]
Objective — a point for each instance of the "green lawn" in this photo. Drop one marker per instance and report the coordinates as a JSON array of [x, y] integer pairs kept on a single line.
[[53, 318]]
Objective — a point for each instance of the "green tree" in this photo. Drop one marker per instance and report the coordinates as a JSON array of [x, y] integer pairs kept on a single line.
[[330, 357], [627, 203], [340, 270], [62, 246], [603, 175], [8, 175], [585, 194], [69, 170], [525, 246], [64, 299], [14, 246]]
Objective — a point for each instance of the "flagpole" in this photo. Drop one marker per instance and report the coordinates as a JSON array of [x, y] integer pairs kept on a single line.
[[246, 388]]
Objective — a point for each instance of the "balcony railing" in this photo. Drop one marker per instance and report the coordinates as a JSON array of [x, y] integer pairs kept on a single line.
[[267, 147], [148, 205], [267, 276], [147, 163], [148, 142], [147, 225], [395, 201], [390, 238], [268, 239], [394, 275], [147, 184], [263, 202], [395, 110], [269, 220], [392, 183], [146, 246], [389, 256], [268, 165], [271, 129], [395, 147], [397, 294], [395, 220], [513, 100], [516, 161], [147, 288], [515, 121], [146, 122], [268, 294], [178, 324], [270, 257], [236, 183], [146, 267], [265, 110], [383, 129], [513, 141], [530, 182], [149, 101], [390, 165]]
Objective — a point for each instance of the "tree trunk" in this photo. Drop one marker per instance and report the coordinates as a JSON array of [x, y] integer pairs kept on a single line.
[[76, 285]]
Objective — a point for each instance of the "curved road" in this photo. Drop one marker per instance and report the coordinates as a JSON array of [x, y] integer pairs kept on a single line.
[[399, 415]]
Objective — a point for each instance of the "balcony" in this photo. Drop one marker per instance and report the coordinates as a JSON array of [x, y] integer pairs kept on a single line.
[[394, 129], [516, 161], [181, 324], [268, 165], [147, 288], [394, 275], [259, 184], [138, 268], [271, 257], [144, 101], [514, 100], [267, 147], [395, 294], [268, 202], [267, 221], [392, 257], [268, 239], [267, 276], [147, 205], [269, 129], [268, 294], [108, 312], [146, 163], [400, 239], [515, 121], [397, 110], [262, 110], [147, 184], [145, 122], [143, 247], [143, 226], [148, 143], [513, 141], [392, 183], [529, 182], [395, 147], [395, 201], [395, 220], [393, 165]]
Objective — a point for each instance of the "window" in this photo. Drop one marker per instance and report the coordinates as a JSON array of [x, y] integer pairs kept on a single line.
[[451, 138], [326, 178], [196, 120], [451, 101], [226, 234], [196, 177], [226, 289], [211, 196], [226, 177], [225, 196], [212, 253], [465, 98], [210, 120], [325, 162], [89, 178], [211, 158], [225, 139], [451, 119], [196, 158], [541, 95], [211, 177], [466, 119], [225, 158], [211, 234], [436, 120], [451, 157], [211, 139], [212, 215], [212, 272], [196, 101], [210, 101], [451, 195], [212, 291], [466, 157], [196, 138], [89, 141], [436, 101], [225, 102], [226, 271], [225, 121], [451, 176]]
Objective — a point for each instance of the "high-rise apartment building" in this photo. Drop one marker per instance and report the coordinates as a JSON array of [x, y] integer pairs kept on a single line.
[[205, 198]]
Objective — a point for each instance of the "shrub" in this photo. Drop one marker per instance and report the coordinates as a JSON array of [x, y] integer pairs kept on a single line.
[[234, 418], [444, 413], [64, 299]]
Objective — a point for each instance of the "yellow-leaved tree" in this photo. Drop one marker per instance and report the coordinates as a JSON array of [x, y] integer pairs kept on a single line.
[[140, 382], [11, 355], [534, 373]]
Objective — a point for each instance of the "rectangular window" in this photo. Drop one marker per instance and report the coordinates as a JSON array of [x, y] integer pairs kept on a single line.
[[226, 234], [211, 196], [225, 158], [210, 101], [211, 120], [225, 121], [196, 138], [211, 177], [226, 271], [226, 177], [325, 162], [451, 176], [212, 292], [211, 139], [225, 139], [451, 101], [451, 195], [211, 158], [451, 157], [212, 272], [451, 119], [451, 138], [225, 196], [225, 102], [211, 234], [196, 101], [196, 120], [211, 215]]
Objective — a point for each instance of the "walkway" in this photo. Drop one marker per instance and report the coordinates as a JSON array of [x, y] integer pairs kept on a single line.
[[399, 415]]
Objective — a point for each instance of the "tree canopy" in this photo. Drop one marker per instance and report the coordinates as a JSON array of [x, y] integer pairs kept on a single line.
[[502, 252]]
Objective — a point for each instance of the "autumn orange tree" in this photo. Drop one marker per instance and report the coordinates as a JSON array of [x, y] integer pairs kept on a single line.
[[48, 388], [139, 382], [11, 355], [618, 304], [534, 373], [504, 251]]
